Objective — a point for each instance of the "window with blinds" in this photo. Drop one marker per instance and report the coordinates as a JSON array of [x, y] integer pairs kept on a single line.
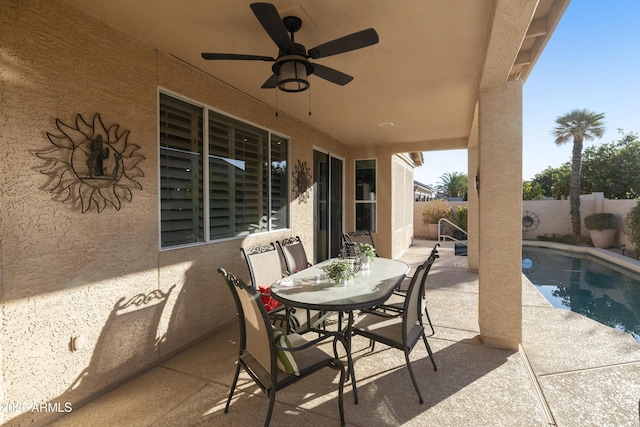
[[180, 172], [247, 170]]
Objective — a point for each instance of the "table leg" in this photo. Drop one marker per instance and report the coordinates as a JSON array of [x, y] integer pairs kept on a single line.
[[351, 371], [290, 327], [345, 338]]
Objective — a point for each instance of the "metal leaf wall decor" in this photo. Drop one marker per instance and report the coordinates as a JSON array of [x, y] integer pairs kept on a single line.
[[91, 164], [302, 181]]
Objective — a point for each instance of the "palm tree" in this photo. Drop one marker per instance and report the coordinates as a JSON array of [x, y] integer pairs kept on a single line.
[[453, 184], [578, 125]]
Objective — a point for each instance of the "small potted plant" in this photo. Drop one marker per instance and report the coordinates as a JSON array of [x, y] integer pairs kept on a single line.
[[433, 211], [368, 255], [602, 228], [339, 271]]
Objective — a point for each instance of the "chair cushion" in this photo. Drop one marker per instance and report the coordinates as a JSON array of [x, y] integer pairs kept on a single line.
[[287, 361], [267, 300]]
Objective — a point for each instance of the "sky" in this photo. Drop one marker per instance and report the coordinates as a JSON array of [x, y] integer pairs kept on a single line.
[[592, 61]]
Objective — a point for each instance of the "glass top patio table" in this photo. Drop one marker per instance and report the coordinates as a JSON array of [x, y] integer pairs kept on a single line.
[[312, 289]]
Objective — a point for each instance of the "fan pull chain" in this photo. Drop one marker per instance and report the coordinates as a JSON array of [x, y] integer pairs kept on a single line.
[[309, 101], [276, 102]]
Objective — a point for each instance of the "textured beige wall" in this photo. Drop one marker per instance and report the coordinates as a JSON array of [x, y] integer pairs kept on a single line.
[[553, 216], [420, 228], [499, 215], [63, 271]]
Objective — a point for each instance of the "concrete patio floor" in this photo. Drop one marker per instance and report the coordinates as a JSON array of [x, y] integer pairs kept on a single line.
[[571, 371]]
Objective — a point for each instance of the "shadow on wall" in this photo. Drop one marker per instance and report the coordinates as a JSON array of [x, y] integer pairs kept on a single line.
[[128, 342], [202, 305], [141, 331]]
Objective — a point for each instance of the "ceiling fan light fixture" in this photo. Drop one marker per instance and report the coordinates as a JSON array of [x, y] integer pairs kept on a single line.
[[292, 68], [293, 73]]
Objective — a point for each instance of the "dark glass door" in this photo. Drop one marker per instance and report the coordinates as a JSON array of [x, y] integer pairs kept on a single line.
[[328, 205]]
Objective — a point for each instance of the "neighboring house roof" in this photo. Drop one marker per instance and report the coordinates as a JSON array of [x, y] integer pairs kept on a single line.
[[418, 185]]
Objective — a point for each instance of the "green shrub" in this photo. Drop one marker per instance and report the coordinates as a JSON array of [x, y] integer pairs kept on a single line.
[[459, 218], [632, 226], [601, 221], [434, 210]]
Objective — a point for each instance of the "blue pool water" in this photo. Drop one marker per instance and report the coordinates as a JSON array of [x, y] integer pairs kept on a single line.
[[586, 285]]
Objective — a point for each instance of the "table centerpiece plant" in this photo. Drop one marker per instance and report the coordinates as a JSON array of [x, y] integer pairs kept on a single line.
[[339, 270], [368, 255]]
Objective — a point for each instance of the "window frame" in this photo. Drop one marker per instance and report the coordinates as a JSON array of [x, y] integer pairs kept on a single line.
[[206, 208], [366, 201]]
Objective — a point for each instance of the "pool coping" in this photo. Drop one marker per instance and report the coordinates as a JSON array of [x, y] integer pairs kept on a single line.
[[604, 254]]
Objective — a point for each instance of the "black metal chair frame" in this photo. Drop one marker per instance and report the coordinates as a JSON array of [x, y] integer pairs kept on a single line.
[[270, 381], [397, 306], [290, 316], [287, 246], [410, 333], [359, 236], [277, 314]]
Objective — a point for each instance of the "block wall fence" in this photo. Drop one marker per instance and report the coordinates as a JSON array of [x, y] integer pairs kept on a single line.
[[553, 215]]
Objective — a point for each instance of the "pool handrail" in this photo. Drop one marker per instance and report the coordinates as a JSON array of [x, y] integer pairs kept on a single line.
[[442, 237]]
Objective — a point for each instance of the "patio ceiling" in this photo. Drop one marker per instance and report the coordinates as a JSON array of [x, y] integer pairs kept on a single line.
[[423, 76]]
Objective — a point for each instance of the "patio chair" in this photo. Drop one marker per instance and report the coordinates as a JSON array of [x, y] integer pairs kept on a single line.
[[395, 303], [295, 259], [273, 360], [400, 332], [294, 254], [359, 237], [265, 267]]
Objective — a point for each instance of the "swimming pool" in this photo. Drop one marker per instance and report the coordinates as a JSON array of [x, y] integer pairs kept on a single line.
[[586, 285]]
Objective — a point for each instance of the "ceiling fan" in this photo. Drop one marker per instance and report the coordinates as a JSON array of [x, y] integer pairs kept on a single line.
[[292, 66]]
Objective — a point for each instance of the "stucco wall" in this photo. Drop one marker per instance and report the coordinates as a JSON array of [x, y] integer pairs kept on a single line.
[[67, 274], [553, 215], [419, 228], [555, 219]]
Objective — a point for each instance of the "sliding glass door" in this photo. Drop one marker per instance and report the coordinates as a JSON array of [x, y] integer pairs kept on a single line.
[[328, 172]]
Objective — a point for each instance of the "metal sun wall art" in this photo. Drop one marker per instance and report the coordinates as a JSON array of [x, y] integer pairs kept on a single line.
[[91, 164], [530, 221], [302, 181]]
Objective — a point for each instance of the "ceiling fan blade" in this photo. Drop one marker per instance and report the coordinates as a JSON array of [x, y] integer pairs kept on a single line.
[[348, 43], [270, 19], [334, 76], [234, 56], [271, 82]]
